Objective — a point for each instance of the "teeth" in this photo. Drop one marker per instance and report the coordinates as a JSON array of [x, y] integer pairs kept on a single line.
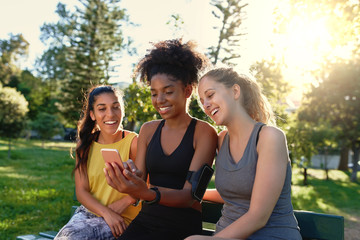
[[164, 108], [214, 111], [110, 122]]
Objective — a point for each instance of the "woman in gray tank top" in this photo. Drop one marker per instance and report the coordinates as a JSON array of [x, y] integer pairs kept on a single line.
[[253, 173]]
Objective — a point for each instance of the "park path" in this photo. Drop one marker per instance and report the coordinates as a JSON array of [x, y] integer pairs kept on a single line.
[[352, 228]]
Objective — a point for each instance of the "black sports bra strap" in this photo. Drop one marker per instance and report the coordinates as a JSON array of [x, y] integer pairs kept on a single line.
[[257, 135]]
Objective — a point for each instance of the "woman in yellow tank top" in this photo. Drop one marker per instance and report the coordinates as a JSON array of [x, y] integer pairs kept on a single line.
[[105, 213]]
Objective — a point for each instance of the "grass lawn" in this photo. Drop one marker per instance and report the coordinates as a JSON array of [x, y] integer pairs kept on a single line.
[[36, 189]]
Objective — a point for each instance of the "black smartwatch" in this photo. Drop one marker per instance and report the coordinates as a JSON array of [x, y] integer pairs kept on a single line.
[[157, 198]]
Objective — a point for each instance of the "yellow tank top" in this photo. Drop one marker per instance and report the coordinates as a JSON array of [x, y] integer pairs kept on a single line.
[[97, 181]]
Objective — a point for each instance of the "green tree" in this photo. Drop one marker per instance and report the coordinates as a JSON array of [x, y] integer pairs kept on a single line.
[[85, 44], [306, 139], [13, 107], [138, 106], [47, 126], [35, 93], [230, 15], [10, 51], [275, 88], [336, 101]]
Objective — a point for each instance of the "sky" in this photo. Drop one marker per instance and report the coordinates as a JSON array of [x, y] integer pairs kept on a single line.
[[27, 16]]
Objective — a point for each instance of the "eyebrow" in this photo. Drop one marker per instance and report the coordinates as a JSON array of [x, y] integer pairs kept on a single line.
[[167, 86], [103, 104], [209, 89]]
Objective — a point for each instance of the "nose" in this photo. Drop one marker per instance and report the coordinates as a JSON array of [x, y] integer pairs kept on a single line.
[[206, 104], [110, 112], [160, 98]]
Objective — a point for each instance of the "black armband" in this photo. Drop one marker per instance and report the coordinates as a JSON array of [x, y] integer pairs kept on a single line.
[[199, 181]]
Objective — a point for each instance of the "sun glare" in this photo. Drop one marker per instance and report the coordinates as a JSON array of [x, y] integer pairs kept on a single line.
[[307, 44]]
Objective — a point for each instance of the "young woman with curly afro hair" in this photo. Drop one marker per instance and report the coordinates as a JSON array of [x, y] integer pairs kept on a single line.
[[168, 148]]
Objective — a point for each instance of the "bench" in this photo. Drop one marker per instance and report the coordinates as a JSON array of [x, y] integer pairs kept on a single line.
[[312, 225]]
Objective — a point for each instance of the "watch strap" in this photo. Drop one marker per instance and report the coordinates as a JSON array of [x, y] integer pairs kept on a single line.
[[157, 197]]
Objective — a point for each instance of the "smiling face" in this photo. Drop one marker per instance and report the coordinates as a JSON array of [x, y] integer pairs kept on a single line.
[[107, 113], [218, 101], [169, 96]]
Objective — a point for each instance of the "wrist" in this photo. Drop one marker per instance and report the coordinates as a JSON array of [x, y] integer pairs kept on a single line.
[[156, 198]]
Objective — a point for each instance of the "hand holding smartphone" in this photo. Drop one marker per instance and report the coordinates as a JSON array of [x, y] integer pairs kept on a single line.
[[112, 155]]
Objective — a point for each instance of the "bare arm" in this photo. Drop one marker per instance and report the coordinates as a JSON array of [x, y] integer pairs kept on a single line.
[[269, 180], [213, 195]]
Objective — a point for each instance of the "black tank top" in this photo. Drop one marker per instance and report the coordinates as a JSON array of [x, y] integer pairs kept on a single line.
[[170, 171]]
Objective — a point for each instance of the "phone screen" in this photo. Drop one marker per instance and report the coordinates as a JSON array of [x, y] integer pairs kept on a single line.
[[204, 180]]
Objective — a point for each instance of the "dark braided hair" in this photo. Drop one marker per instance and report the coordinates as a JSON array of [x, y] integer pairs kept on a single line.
[[174, 58], [87, 130]]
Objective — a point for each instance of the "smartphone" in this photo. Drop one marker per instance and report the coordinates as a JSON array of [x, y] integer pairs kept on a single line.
[[199, 189], [112, 155]]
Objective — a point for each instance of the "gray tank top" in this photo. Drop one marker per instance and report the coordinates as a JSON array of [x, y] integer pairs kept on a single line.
[[234, 181]]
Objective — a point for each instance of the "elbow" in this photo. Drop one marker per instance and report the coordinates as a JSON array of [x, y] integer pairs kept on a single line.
[[187, 202], [260, 219]]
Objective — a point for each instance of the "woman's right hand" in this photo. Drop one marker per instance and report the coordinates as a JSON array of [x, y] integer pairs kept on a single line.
[[125, 181], [115, 222]]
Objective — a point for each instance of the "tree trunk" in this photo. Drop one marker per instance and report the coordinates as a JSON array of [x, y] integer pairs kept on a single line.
[[130, 126], [356, 150], [305, 176], [344, 159]]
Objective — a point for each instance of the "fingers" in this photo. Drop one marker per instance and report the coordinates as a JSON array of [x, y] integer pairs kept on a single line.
[[118, 229], [122, 227], [114, 176], [108, 178], [132, 166], [132, 177], [114, 231]]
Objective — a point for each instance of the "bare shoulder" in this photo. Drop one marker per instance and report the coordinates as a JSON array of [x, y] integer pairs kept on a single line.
[[204, 129], [147, 130], [149, 127], [127, 132], [272, 139], [270, 133]]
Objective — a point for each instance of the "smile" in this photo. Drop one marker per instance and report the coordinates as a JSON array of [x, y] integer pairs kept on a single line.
[[163, 109], [214, 111], [110, 122]]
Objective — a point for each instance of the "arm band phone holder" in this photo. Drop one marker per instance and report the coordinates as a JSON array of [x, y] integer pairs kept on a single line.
[[199, 181]]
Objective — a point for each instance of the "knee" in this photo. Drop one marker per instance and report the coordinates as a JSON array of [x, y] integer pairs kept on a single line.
[[66, 234]]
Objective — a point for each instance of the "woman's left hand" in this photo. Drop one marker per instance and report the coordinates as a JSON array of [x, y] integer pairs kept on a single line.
[[130, 165], [124, 181]]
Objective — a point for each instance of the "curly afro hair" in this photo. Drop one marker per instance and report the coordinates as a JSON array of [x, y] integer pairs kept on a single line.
[[174, 58]]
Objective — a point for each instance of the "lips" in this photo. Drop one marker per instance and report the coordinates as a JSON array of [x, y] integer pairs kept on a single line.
[[163, 110]]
